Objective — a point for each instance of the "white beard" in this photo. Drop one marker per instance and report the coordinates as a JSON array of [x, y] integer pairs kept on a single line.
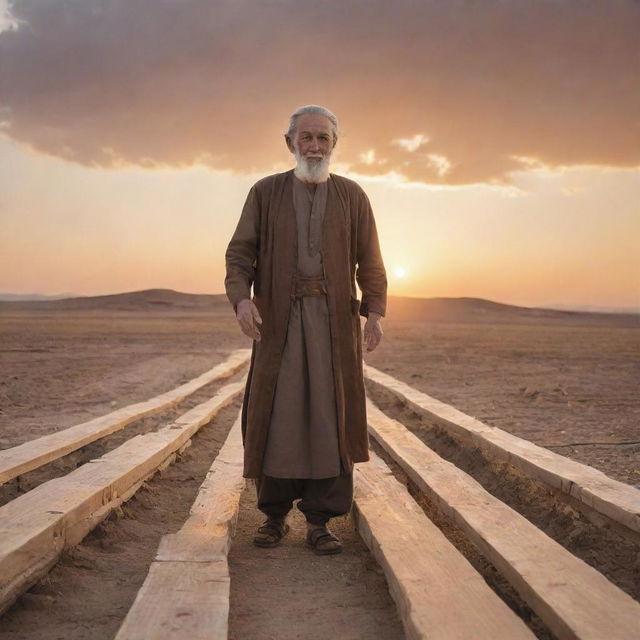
[[315, 171]]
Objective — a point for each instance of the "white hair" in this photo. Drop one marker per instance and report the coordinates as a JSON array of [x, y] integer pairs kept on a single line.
[[313, 109]]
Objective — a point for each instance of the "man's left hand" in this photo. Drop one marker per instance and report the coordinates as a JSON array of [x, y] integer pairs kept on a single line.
[[372, 331]]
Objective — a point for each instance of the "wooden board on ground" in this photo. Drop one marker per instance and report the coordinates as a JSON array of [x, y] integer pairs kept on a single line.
[[36, 453], [571, 597], [615, 500], [37, 526], [186, 593], [438, 593]]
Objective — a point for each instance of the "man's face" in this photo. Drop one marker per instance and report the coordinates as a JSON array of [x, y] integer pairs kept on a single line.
[[313, 138], [312, 144]]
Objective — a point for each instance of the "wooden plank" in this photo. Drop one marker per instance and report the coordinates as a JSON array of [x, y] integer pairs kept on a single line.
[[198, 607], [438, 593], [36, 453], [571, 597], [186, 593], [615, 500], [37, 526]]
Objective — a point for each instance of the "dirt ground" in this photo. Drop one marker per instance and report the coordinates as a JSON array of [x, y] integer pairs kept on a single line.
[[558, 385], [290, 593], [563, 387]]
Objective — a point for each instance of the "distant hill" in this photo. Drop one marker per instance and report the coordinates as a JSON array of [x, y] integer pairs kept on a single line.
[[486, 311], [453, 310], [147, 299], [13, 297], [593, 307]]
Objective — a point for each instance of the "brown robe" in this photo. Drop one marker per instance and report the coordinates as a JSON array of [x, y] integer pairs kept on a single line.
[[350, 253]]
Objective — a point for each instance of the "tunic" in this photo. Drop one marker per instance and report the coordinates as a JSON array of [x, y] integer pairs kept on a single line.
[[303, 434]]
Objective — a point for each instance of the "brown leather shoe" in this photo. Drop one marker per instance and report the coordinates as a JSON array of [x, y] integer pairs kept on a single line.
[[270, 533]]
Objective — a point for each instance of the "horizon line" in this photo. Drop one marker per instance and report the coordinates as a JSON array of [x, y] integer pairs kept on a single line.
[[558, 306]]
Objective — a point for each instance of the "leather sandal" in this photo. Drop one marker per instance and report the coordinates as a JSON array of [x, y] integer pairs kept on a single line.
[[270, 533], [318, 538]]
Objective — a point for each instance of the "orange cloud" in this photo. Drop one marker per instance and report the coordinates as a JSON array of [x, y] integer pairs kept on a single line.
[[444, 92]]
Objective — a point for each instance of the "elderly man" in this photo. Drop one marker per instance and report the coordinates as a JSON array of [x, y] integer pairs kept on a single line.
[[304, 238]]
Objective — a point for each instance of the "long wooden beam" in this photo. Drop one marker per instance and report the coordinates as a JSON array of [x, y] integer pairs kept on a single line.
[[571, 597], [615, 500], [438, 593], [36, 453], [186, 593], [37, 526]]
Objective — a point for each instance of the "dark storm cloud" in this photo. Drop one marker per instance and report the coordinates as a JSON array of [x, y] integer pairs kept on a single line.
[[106, 82]]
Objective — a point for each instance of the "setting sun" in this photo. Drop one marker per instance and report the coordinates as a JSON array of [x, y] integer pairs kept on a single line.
[[400, 272]]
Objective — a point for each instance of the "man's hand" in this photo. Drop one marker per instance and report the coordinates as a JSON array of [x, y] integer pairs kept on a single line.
[[372, 331], [248, 318]]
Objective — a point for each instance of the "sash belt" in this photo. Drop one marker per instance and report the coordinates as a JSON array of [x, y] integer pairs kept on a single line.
[[310, 286]]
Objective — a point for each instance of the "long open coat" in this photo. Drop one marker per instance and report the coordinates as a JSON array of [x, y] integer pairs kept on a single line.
[[263, 253]]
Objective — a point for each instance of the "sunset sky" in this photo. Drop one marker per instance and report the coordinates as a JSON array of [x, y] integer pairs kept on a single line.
[[498, 141]]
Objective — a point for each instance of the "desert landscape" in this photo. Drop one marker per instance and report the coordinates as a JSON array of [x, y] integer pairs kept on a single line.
[[565, 380], [470, 168]]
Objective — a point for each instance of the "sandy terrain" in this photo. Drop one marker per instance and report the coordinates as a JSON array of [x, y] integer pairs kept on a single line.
[[560, 386], [556, 379]]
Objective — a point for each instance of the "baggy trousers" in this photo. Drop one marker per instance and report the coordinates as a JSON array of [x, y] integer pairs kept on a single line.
[[321, 499]]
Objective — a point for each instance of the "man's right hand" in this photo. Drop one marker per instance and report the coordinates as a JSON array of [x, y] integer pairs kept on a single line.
[[248, 318]]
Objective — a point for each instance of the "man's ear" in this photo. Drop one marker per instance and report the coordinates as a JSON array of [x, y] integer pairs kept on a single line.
[[289, 143]]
